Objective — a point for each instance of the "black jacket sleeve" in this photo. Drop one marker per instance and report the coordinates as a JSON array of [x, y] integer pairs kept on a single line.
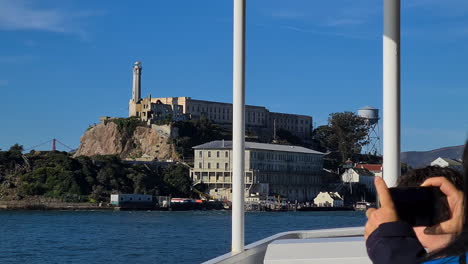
[[394, 242]]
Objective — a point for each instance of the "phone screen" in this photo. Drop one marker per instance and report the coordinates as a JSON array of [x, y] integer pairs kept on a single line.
[[420, 206]]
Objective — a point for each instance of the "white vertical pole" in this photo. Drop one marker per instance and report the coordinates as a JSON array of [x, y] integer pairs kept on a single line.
[[391, 92], [238, 130]]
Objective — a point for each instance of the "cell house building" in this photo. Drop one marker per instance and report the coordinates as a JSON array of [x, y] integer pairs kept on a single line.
[[292, 172]]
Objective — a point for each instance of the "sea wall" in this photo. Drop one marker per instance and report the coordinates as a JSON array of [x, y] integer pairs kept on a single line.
[[41, 205]]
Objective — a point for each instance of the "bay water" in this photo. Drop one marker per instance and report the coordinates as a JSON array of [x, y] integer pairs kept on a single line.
[[143, 236]]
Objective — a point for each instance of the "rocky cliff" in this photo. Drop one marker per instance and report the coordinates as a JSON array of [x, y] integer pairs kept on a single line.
[[138, 142]]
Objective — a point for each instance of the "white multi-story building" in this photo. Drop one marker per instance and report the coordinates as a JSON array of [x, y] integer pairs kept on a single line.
[[270, 169]]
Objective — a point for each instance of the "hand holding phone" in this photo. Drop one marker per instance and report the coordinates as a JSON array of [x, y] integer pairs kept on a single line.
[[420, 206], [455, 201]]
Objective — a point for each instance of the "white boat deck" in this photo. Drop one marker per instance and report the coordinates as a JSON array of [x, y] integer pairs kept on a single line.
[[325, 246]]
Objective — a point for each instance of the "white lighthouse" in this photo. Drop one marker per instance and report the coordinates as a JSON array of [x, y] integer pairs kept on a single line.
[[136, 89]]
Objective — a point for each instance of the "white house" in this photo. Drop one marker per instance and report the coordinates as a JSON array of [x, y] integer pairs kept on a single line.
[[357, 175], [329, 199], [447, 163]]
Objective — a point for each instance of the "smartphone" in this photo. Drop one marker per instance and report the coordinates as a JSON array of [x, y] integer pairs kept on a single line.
[[420, 206]]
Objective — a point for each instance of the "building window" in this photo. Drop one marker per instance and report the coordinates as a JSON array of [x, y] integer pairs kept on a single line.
[[209, 165], [200, 154], [209, 154], [226, 166], [199, 165], [217, 154], [217, 165]]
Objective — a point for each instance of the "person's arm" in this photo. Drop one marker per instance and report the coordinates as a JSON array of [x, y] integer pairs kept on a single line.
[[394, 242]]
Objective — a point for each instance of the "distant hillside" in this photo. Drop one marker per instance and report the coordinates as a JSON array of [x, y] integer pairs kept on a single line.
[[418, 159]]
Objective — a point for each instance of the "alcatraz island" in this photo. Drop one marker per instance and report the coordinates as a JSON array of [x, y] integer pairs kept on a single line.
[[175, 150]]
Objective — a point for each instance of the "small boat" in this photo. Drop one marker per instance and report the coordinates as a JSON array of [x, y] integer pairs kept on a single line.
[[362, 206]]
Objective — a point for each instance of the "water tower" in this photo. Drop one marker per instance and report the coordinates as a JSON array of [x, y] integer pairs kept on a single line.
[[371, 116]]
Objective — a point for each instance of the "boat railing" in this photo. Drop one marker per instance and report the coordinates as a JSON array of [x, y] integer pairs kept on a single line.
[[255, 252]]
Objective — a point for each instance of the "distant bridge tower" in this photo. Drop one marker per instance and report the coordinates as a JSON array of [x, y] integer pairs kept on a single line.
[[136, 89], [371, 116]]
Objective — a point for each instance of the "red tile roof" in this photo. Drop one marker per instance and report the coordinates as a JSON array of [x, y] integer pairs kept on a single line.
[[371, 167]]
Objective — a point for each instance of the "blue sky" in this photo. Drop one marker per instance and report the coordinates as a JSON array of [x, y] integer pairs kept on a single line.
[[65, 63]]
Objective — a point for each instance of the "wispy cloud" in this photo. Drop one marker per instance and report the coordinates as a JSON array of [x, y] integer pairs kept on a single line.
[[17, 59], [331, 13], [354, 35], [349, 19], [287, 14], [362, 19], [23, 15], [344, 22], [454, 5], [30, 43], [433, 132], [298, 29], [445, 32]]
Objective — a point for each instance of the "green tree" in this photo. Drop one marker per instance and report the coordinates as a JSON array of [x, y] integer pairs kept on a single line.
[[196, 132], [58, 175], [178, 180], [16, 149], [9, 160], [287, 137], [346, 133], [321, 137]]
